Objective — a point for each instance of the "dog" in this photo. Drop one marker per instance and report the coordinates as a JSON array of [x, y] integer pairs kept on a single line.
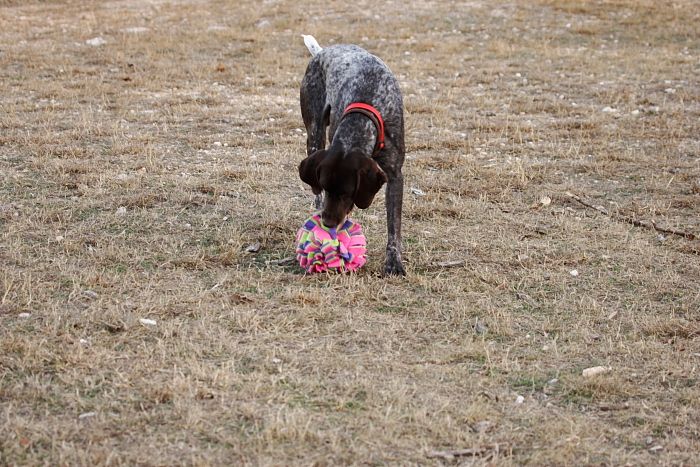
[[353, 94]]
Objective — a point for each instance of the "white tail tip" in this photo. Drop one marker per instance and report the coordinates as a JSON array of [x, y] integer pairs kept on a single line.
[[311, 44]]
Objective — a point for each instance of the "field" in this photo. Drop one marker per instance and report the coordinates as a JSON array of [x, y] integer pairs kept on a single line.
[[551, 224]]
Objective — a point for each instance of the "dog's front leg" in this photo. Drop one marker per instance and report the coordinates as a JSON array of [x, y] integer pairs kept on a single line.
[[394, 202]]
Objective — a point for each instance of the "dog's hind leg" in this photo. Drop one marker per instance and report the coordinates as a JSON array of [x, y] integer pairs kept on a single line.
[[315, 112]]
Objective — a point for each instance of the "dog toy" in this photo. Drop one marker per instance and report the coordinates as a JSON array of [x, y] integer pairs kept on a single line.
[[320, 248]]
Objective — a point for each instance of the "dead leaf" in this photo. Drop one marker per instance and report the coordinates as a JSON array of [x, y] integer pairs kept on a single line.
[[238, 299], [114, 328], [480, 328]]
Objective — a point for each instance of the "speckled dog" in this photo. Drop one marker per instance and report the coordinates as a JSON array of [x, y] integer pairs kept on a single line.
[[356, 96]]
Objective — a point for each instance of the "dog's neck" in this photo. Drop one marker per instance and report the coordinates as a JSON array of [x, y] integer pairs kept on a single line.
[[355, 132]]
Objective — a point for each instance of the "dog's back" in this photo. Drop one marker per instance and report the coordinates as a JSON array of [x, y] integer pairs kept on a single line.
[[352, 74]]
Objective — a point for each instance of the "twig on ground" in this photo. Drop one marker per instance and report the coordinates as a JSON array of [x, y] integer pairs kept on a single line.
[[643, 223], [451, 263], [282, 262], [452, 453]]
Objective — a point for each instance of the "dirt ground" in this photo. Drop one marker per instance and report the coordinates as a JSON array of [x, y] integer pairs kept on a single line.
[[551, 225]]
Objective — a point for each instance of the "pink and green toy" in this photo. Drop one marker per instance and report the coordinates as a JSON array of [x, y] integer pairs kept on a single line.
[[320, 248]]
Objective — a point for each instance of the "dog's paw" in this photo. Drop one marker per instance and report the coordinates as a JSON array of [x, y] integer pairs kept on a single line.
[[394, 268]]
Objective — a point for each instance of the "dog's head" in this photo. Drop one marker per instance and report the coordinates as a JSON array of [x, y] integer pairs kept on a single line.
[[348, 179]]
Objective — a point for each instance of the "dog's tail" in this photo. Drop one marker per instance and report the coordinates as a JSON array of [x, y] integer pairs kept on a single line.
[[311, 44]]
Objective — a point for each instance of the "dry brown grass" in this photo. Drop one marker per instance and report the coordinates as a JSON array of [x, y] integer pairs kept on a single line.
[[255, 363]]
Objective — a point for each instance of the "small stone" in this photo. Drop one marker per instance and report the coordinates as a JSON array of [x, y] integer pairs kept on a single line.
[[545, 201], [670, 91], [520, 399], [24, 315], [573, 272], [276, 361], [635, 112], [147, 322], [84, 342], [217, 144], [121, 210], [135, 30], [609, 110], [595, 370], [482, 426], [96, 41], [254, 247], [656, 448], [59, 238], [91, 294]]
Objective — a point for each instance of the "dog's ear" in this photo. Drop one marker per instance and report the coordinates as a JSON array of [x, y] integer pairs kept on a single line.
[[370, 179], [308, 170]]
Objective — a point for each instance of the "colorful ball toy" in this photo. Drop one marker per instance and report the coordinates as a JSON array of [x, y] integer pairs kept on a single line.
[[320, 248]]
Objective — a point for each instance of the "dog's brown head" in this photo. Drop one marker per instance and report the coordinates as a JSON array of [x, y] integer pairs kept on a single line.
[[347, 178]]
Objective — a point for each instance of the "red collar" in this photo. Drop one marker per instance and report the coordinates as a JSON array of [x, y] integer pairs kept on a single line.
[[374, 115]]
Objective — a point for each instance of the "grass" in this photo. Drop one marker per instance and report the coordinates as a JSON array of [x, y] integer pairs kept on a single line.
[[134, 174]]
